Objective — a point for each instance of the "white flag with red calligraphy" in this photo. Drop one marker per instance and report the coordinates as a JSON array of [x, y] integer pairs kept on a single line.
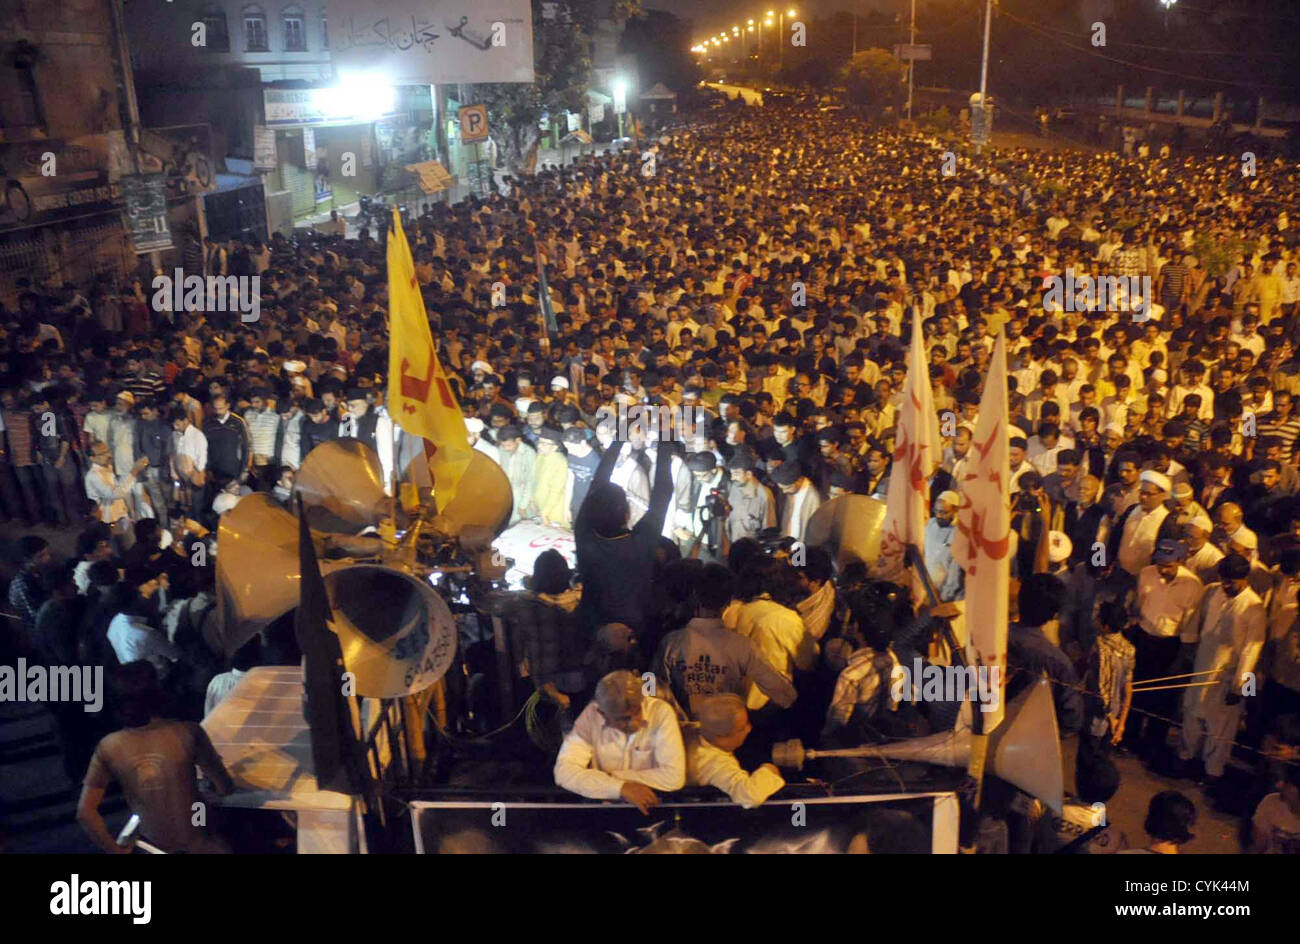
[[982, 544], [917, 453]]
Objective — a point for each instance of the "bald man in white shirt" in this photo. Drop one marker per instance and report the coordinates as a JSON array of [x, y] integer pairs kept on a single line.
[[710, 752]]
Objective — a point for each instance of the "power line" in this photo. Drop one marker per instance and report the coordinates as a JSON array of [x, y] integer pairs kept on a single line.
[[1174, 49], [1136, 65]]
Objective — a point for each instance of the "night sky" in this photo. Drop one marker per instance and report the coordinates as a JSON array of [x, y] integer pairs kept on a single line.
[[710, 16]]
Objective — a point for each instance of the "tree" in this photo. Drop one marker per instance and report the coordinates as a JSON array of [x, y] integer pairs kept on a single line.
[[562, 69], [874, 78], [815, 73], [661, 43]]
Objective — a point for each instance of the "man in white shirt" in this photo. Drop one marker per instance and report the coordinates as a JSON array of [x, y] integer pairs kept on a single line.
[[189, 457], [1203, 557], [1230, 630], [710, 753], [1166, 604], [623, 745], [131, 636], [1139, 527]]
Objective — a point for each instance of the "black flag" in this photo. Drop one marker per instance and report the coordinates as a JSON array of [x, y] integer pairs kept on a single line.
[[333, 742]]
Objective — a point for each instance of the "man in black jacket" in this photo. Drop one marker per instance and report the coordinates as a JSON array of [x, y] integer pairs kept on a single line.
[[153, 441], [230, 451], [318, 426], [617, 565]]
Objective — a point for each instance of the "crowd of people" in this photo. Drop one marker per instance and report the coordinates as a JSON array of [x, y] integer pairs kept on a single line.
[[752, 294]]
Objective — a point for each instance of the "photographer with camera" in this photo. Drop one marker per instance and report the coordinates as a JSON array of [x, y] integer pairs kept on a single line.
[[1031, 517], [703, 533]]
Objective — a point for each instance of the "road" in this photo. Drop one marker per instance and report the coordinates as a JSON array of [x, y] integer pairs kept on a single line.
[[751, 96]]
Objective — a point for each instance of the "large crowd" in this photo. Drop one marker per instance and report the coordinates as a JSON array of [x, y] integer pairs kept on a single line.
[[755, 285]]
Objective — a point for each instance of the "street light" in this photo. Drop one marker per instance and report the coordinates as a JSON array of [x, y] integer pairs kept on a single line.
[[780, 46]]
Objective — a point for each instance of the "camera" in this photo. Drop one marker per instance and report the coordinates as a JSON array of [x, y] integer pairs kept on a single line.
[[1028, 501], [716, 504], [774, 542]]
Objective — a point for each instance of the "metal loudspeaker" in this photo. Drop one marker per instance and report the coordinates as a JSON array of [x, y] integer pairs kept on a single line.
[[257, 568], [850, 526], [483, 499], [396, 633], [1024, 750], [342, 487]]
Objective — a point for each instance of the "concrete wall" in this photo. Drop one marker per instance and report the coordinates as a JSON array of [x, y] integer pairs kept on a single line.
[[75, 77], [161, 37]]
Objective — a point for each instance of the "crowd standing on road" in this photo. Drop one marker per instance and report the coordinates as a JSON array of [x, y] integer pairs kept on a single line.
[[755, 284]]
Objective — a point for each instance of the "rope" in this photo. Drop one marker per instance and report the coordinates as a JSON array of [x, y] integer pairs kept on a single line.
[[450, 739], [1170, 721]]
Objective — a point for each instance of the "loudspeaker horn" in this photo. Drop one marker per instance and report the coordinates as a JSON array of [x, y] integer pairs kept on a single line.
[[342, 487], [396, 633], [483, 498], [257, 569], [1024, 750], [850, 526]]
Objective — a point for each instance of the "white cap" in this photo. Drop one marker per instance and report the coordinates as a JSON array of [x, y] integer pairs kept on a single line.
[[950, 497], [1203, 522], [1158, 479], [481, 365], [474, 424], [1244, 537], [559, 383], [521, 405]]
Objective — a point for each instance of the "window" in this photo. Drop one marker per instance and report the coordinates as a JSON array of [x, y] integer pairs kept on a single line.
[[28, 113], [295, 32], [324, 32], [255, 29], [214, 21]]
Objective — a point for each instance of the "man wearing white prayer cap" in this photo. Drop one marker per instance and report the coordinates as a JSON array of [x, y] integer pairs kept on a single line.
[[475, 427], [1134, 536], [945, 573], [1245, 542], [1202, 556]]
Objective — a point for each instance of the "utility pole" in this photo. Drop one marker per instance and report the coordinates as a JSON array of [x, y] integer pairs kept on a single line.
[[984, 63], [911, 64], [983, 68]]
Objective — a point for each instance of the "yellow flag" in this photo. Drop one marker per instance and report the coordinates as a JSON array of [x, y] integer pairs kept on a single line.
[[419, 396]]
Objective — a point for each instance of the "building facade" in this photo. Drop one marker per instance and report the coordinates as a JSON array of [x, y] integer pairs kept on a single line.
[[63, 149]]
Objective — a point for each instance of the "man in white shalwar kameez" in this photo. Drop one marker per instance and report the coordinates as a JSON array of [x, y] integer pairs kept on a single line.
[[1230, 633]]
